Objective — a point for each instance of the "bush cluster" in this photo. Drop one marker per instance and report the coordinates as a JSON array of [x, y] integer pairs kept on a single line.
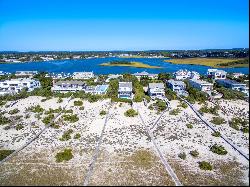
[[70, 118], [64, 155], [175, 111], [46, 120], [36, 109], [211, 110], [66, 135], [218, 149], [216, 134], [218, 120], [130, 113], [205, 165], [238, 123], [183, 156], [190, 126], [194, 153], [78, 103], [103, 112], [14, 111]]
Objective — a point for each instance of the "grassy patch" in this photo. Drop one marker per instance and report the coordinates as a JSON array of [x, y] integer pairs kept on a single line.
[[65, 155], [212, 62], [174, 112], [5, 153], [46, 120], [70, 118], [130, 64], [78, 103], [142, 158], [14, 111], [66, 135], [36, 109], [216, 134]]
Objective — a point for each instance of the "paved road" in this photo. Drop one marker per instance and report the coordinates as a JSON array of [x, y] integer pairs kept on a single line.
[[37, 135], [92, 163], [211, 127], [163, 160]]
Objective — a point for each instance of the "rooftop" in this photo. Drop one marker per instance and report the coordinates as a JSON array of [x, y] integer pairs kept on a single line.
[[156, 85], [174, 82], [70, 82]]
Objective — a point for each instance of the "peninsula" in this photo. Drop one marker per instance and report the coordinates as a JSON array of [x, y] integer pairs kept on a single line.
[[131, 64], [212, 62]]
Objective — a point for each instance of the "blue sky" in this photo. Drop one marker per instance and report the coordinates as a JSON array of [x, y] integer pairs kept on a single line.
[[31, 25]]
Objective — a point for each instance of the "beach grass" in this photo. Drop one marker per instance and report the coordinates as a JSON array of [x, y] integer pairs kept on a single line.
[[212, 62], [132, 64]]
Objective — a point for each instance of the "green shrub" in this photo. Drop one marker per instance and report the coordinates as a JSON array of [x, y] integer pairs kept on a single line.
[[60, 100], [68, 111], [70, 118], [4, 153], [53, 125], [103, 112], [183, 105], [14, 111], [160, 105], [190, 126], [205, 165], [78, 103], [19, 126], [4, 120], [245, 130], [218, 149], [64, 155], [218, 120], [174, 111], [36, 109], [216, 134], [183, 156], [77, 136], [150, 107], [130, 113], [66, 135], [46, 120], [51, 111], [238, 123], [43, 100], [2, 103], [211, 110], [194, 153], [81, 108]]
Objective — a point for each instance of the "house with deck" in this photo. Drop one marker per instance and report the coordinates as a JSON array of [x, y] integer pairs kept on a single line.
[[14, 86], [68, 86], [234, 85], [177, 86], [185, 74], [156, 90], [216, 74], [145, 74], [25, 73], [201, 85], [125, 90], [83, 75]]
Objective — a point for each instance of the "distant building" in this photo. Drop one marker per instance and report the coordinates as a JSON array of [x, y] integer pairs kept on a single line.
[[156, 90], [83, 75], [237, 75], [26, 73], [177, 86], [125, 90], [69, 86], [145, 74], [216, 74], [185, 74], [234, 85], [14, 86], [201, 85], [58, 75], [113, 76]]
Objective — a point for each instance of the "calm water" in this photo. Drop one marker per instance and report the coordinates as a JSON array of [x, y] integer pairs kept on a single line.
[[69, 66]]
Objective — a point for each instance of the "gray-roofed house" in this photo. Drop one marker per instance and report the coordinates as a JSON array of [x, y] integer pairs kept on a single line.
[[234, 85], [177, 86], [156, 90], [145, 74], [125, 90], [68, 86]]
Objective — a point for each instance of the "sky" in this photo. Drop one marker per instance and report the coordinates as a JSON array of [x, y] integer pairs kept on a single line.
[[86, 25]]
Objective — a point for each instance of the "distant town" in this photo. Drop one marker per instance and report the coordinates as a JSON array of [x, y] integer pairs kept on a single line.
[[18, 57]]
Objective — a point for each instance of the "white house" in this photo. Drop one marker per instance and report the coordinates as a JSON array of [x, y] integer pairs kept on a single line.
[[113, 76], [26, 73], [234, 85], [177, 86], [145, 74], [156, 90], [83, 75], [125, 90], [216, 74], [201, 85], [68, 86], [185, 74], [16, 85]]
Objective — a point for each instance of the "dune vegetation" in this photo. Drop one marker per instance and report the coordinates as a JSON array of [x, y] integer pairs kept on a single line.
[[131, 64]]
